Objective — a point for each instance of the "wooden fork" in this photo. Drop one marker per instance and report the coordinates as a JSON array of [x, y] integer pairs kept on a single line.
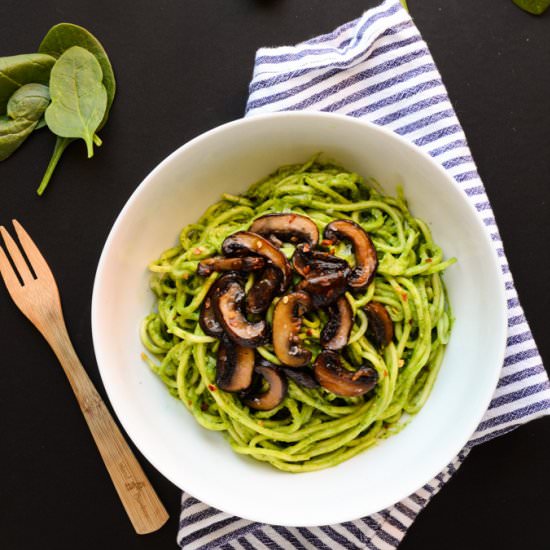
[[38, 299]]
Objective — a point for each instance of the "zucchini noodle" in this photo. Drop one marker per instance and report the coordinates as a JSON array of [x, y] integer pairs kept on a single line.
[[312, 428]]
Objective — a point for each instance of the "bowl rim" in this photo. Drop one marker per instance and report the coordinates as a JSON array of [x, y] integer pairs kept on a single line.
[[134, 431]]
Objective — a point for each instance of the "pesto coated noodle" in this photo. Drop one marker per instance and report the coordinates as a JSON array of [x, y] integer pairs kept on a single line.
[[312, 428]]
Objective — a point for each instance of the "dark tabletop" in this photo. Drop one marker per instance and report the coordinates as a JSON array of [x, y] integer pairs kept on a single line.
[[183, 67]]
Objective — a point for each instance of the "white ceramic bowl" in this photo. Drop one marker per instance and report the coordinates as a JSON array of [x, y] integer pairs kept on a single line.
[[228, 159]]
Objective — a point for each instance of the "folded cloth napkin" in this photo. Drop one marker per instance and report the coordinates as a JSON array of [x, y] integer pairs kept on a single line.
[[379, 68]]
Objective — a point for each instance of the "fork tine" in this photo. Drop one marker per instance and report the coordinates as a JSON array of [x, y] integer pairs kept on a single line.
[[8, 274], [16, 256], [37, 261]]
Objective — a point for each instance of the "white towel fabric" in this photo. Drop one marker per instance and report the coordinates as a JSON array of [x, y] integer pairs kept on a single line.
[[379, 68]]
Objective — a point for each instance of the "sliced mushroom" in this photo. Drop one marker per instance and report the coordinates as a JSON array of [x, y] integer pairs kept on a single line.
[[287, 320], [292, 228], [332, 376], [263, 291], [325, 275], [302, 376], [207, 315], [228, 304], [365, 254], [380, 324], [234, 366], [245, 242], [313, 263], [277, 243], [335, 333], [274, 396], [325, 289], [220, 263]]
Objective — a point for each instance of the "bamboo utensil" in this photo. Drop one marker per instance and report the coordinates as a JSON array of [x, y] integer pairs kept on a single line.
[[38, 299]]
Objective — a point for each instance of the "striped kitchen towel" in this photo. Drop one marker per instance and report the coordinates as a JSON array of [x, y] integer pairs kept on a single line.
[[379, 68]]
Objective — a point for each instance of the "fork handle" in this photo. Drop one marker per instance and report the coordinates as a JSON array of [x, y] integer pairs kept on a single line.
[[145, 510]]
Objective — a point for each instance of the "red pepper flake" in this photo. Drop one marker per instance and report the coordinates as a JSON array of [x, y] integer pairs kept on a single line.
[[405, 296], [385, 373], [197, 251], [333, 251], [326, 242], [309, 332], [211, 387], [428, 260], [410, 322]]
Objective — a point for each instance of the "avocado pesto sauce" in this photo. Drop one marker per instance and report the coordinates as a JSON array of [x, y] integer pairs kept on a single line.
[[365, 387]]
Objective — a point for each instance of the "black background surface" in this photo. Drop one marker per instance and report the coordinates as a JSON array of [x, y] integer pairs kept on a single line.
[[183, 67]]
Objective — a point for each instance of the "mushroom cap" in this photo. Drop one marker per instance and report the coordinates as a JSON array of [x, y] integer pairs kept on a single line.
[[325, 275], [289, 227], [287, 321], [274, 396], [333, 377], [244, 243], [234, 366], [263, 291], [208, 320], [309, 262], [325, 289], [228, 305], [221, 263], [302, 376], [366, 259], [335, 333], [380, 324]]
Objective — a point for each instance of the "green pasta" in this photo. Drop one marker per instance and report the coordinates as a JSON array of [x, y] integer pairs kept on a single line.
[[312, 428]]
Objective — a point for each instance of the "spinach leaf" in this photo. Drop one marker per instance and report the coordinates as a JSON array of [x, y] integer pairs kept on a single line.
[[79, 98], [41, 124], [60, 38], [24, 110], [17, 70], [536, 7], [29, 101], [63, 36]]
